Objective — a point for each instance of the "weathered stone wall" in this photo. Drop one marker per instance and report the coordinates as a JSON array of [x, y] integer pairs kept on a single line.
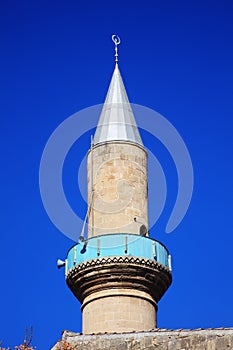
[[200, 339], [117, 188]]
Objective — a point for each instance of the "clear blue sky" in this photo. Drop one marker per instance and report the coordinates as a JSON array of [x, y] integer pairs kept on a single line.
[[57, 58]]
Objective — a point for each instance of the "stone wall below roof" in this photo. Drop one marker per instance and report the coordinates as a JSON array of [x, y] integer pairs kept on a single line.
[[159, 339]]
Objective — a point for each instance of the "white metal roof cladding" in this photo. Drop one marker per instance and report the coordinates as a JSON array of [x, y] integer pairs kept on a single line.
[[117, 121]]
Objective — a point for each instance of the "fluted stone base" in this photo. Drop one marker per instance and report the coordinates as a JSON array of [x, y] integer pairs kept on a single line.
[[118, 294]]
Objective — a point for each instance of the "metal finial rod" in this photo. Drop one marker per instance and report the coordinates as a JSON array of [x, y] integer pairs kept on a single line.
[[116, 39]]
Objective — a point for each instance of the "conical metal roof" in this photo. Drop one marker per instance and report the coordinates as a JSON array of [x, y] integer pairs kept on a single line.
[[117, 120]]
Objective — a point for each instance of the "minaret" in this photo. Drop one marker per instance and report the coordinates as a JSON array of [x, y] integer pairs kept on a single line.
[[118, 273]]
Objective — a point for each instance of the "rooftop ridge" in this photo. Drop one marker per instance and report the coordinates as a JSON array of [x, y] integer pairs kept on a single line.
[[154, 330]]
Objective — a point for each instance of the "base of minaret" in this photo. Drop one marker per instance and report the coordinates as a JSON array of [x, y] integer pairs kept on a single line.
[[118, 294], [122, 310]]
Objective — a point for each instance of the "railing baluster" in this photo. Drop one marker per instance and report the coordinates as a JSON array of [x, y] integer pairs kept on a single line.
[[75, 255], [154, 250], [98, 247], [169, 260], [126, 244]]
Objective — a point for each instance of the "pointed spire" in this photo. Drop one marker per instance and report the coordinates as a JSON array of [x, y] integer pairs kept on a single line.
[[117, 120]]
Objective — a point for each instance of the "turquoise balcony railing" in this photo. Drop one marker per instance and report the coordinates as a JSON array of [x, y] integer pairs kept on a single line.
[[121, 244]]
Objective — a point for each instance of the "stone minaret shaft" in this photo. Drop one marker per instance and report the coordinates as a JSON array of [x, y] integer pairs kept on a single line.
[[117, 168], [119, 273]]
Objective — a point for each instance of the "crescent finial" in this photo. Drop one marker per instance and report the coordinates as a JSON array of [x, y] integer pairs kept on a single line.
[[116, 39]]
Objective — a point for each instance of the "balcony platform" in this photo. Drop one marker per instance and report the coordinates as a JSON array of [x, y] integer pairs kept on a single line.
[[118, 245]]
